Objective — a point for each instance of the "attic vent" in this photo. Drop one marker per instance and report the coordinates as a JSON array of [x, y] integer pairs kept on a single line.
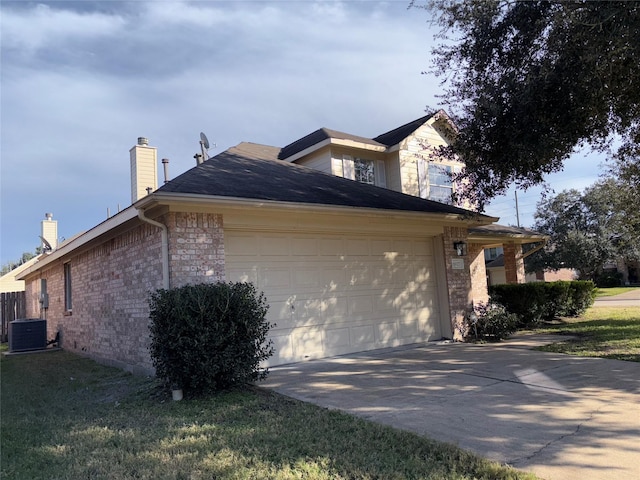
[[143, 141]]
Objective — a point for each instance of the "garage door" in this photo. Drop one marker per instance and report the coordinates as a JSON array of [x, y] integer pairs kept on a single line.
[[336, 294]]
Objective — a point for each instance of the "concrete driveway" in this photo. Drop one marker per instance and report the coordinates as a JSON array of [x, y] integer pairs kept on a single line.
[[628, 299], [559, 416]]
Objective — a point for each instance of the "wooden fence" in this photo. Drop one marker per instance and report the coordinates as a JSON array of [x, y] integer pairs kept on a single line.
[[12, 306]]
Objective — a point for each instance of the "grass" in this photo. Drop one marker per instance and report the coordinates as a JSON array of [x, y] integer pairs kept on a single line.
[[606, 332], [611, 291], [66, 417]]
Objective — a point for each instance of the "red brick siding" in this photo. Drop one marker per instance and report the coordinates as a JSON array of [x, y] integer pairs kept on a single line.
[[479, 290], [458, 281], [111, 285], [513, 263], [196, 248]]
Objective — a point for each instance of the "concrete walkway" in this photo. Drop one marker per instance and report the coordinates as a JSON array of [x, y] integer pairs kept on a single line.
[[628, 299], [559, 416]]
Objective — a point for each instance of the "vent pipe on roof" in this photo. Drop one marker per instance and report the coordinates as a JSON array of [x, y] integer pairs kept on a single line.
[[165, 164]]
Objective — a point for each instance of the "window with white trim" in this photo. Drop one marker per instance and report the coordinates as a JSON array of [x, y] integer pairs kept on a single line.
[[440, 183], [363, 170], [434, 181]]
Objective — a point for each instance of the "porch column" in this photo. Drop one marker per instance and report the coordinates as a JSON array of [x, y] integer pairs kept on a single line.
[[479, 289], [458, 279], [513, 263]]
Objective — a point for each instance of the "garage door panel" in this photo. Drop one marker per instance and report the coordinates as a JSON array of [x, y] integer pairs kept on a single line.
[[242, 245], [331, 247], [360, 304], [274, 278], [307, 276], [363, 335], [334, 277], [333, 294], [301, 247], [248, 274], [386, 333], [337, 338], [358, 247]]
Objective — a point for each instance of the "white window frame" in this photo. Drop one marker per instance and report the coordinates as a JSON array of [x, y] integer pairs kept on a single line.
[[348, 166]]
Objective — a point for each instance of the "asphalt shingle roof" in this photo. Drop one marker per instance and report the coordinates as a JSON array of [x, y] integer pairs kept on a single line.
[[318, 136], [240, 172], [396, 135]]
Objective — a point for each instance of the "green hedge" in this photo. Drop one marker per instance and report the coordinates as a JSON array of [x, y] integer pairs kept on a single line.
[[209, 337], [543, 301]]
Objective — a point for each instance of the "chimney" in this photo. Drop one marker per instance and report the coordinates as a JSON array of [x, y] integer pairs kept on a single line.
[[144, 169], [49, 232]]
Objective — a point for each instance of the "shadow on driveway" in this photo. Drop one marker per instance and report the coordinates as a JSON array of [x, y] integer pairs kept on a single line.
[[560, 416]]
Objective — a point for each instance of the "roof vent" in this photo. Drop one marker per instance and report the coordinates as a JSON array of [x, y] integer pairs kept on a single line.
[[143, 141]]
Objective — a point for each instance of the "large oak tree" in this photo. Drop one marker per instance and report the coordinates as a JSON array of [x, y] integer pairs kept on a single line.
[[529, 82]]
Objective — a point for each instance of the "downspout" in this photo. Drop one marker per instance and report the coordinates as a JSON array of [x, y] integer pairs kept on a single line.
[[164, 231]]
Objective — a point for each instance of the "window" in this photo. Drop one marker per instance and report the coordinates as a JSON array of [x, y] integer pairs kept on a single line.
[[440, 184], [67, 287], [371, 172], [364, 171]]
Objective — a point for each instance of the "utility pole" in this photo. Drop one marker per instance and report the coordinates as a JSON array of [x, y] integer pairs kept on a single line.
[[517, 210]]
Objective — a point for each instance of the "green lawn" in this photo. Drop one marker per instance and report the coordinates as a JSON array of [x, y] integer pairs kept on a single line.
[[609, 292], [65, 417], [607, 332]]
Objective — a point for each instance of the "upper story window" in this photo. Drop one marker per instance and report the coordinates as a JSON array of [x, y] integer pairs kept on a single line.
[[440, 184], [434, 181], [363, 170]]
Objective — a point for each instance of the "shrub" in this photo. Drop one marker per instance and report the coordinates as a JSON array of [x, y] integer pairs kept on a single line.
[[526, 300], [209, 337], [609, 279], [581, 296], [491, 321], [543, 301]]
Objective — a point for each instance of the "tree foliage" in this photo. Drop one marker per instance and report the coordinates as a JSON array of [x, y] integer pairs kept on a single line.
[[528, 82], [586, 229], [12, 265]]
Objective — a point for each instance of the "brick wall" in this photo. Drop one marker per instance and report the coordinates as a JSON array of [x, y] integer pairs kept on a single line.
[[111, 283], [513, 263], [196, 248], [110, 288], [458, 280], [479, 290]]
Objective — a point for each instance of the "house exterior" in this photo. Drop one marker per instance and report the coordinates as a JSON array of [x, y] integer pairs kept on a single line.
[[346, 264]]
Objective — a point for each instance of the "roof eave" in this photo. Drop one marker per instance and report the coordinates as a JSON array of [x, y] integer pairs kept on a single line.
[[178, 199], [112, 222]]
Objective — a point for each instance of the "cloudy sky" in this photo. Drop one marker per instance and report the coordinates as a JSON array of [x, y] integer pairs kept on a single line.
[[81, 81]]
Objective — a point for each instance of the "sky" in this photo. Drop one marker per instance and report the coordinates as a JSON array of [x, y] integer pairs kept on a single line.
[[82, 80]]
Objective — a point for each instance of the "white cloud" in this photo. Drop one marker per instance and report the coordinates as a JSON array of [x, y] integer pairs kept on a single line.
[[29, 30]]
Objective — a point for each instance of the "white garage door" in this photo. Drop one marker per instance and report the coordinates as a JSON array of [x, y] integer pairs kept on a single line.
[[335, 294]]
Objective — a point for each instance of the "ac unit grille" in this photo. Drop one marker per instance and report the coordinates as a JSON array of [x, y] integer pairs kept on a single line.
[[27, 334]]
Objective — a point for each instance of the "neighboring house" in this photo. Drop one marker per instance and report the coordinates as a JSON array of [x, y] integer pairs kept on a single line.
[[49, 237], [345, 265], [496, 274]]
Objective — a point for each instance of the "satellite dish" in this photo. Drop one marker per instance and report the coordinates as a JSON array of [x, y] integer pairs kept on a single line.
[[46, 246], [204, 140]]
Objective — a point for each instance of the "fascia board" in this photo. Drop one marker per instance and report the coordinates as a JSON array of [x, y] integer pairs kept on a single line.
[[342, 142], [499, 239], [308, 150], [190, 200]]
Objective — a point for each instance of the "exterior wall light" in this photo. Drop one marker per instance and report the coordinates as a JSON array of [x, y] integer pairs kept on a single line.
[[460, 248]]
